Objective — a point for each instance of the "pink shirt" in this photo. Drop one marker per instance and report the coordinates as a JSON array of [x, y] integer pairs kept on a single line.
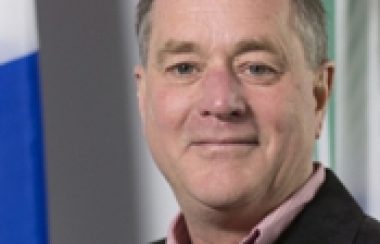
[[270, 228]]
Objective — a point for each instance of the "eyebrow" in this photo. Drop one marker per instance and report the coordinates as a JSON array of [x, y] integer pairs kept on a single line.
[[264, 44], [249, 45], [177, 47], [243, 46]]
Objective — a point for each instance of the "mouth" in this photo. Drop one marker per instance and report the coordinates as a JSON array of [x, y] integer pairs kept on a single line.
[[252, 141], [225, 148]]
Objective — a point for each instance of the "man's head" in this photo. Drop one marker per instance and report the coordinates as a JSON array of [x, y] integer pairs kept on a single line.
[[307, 19], [232, 96]]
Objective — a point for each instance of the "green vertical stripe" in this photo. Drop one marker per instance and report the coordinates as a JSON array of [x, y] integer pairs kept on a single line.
[[330, 9]]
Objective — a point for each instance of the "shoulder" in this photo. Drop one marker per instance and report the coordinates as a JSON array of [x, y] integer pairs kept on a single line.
[[369, 231]]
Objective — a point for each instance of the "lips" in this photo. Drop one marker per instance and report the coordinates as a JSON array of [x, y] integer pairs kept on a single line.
[[223, 148], [226, 141]]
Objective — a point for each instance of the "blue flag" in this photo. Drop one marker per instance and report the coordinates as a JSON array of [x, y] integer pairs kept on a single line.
[[22, 190]]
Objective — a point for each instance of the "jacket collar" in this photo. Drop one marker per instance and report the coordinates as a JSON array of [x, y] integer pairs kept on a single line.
[[332, 217]]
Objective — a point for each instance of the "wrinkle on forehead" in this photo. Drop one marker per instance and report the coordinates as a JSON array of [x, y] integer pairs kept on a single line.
[[211, 13], [213, 20], [274, 7]]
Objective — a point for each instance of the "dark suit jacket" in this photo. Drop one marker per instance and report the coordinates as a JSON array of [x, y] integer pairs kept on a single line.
[[332, 217]]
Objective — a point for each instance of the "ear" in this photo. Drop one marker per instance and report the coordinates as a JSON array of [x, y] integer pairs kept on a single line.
[[322, 88], [140, 77]]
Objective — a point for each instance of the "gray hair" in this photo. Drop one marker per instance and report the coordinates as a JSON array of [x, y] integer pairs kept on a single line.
[[308, 20]]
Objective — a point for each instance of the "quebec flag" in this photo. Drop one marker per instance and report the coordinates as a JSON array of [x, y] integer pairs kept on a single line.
[[22, 191]]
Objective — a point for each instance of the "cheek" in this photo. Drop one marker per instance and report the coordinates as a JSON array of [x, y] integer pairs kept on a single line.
[[282, 112], [271, 110], [166, 109]]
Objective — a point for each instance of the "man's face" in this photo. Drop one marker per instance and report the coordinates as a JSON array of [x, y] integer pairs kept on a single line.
[[229, 104]]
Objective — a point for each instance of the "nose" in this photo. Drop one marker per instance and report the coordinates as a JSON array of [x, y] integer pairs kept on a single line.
[[222, 97]]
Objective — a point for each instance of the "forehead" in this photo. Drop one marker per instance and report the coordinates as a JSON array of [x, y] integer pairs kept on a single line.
[[221, 25], [219, 21], [203, 4], [263, 6], [208, 12]]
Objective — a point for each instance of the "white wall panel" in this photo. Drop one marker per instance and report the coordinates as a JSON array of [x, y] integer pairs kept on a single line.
[[358, 101], [374, 109]]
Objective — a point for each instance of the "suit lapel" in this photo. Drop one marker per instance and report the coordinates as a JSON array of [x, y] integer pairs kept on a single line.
[[331, 217]]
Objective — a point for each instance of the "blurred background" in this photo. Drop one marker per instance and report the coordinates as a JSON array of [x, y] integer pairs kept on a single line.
[[101, 184]]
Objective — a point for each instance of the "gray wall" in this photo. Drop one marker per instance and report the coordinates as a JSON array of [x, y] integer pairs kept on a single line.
[[90, 139], [103, 187]]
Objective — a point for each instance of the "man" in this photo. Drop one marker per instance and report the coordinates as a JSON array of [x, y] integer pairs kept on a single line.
[[232, 96]]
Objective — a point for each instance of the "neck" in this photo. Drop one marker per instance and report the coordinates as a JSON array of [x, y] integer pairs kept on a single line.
[[226, 225], [221, 226]]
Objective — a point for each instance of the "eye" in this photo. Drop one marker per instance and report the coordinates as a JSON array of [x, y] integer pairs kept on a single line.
[[184, 71], [260, 69], [258, 73], [184, 68]]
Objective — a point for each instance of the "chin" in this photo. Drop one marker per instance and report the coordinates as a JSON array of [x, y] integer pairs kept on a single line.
[[224, 202], [225, 193]]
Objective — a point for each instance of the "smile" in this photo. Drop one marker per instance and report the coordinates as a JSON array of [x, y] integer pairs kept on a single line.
[[226, 141], [224, 147]]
